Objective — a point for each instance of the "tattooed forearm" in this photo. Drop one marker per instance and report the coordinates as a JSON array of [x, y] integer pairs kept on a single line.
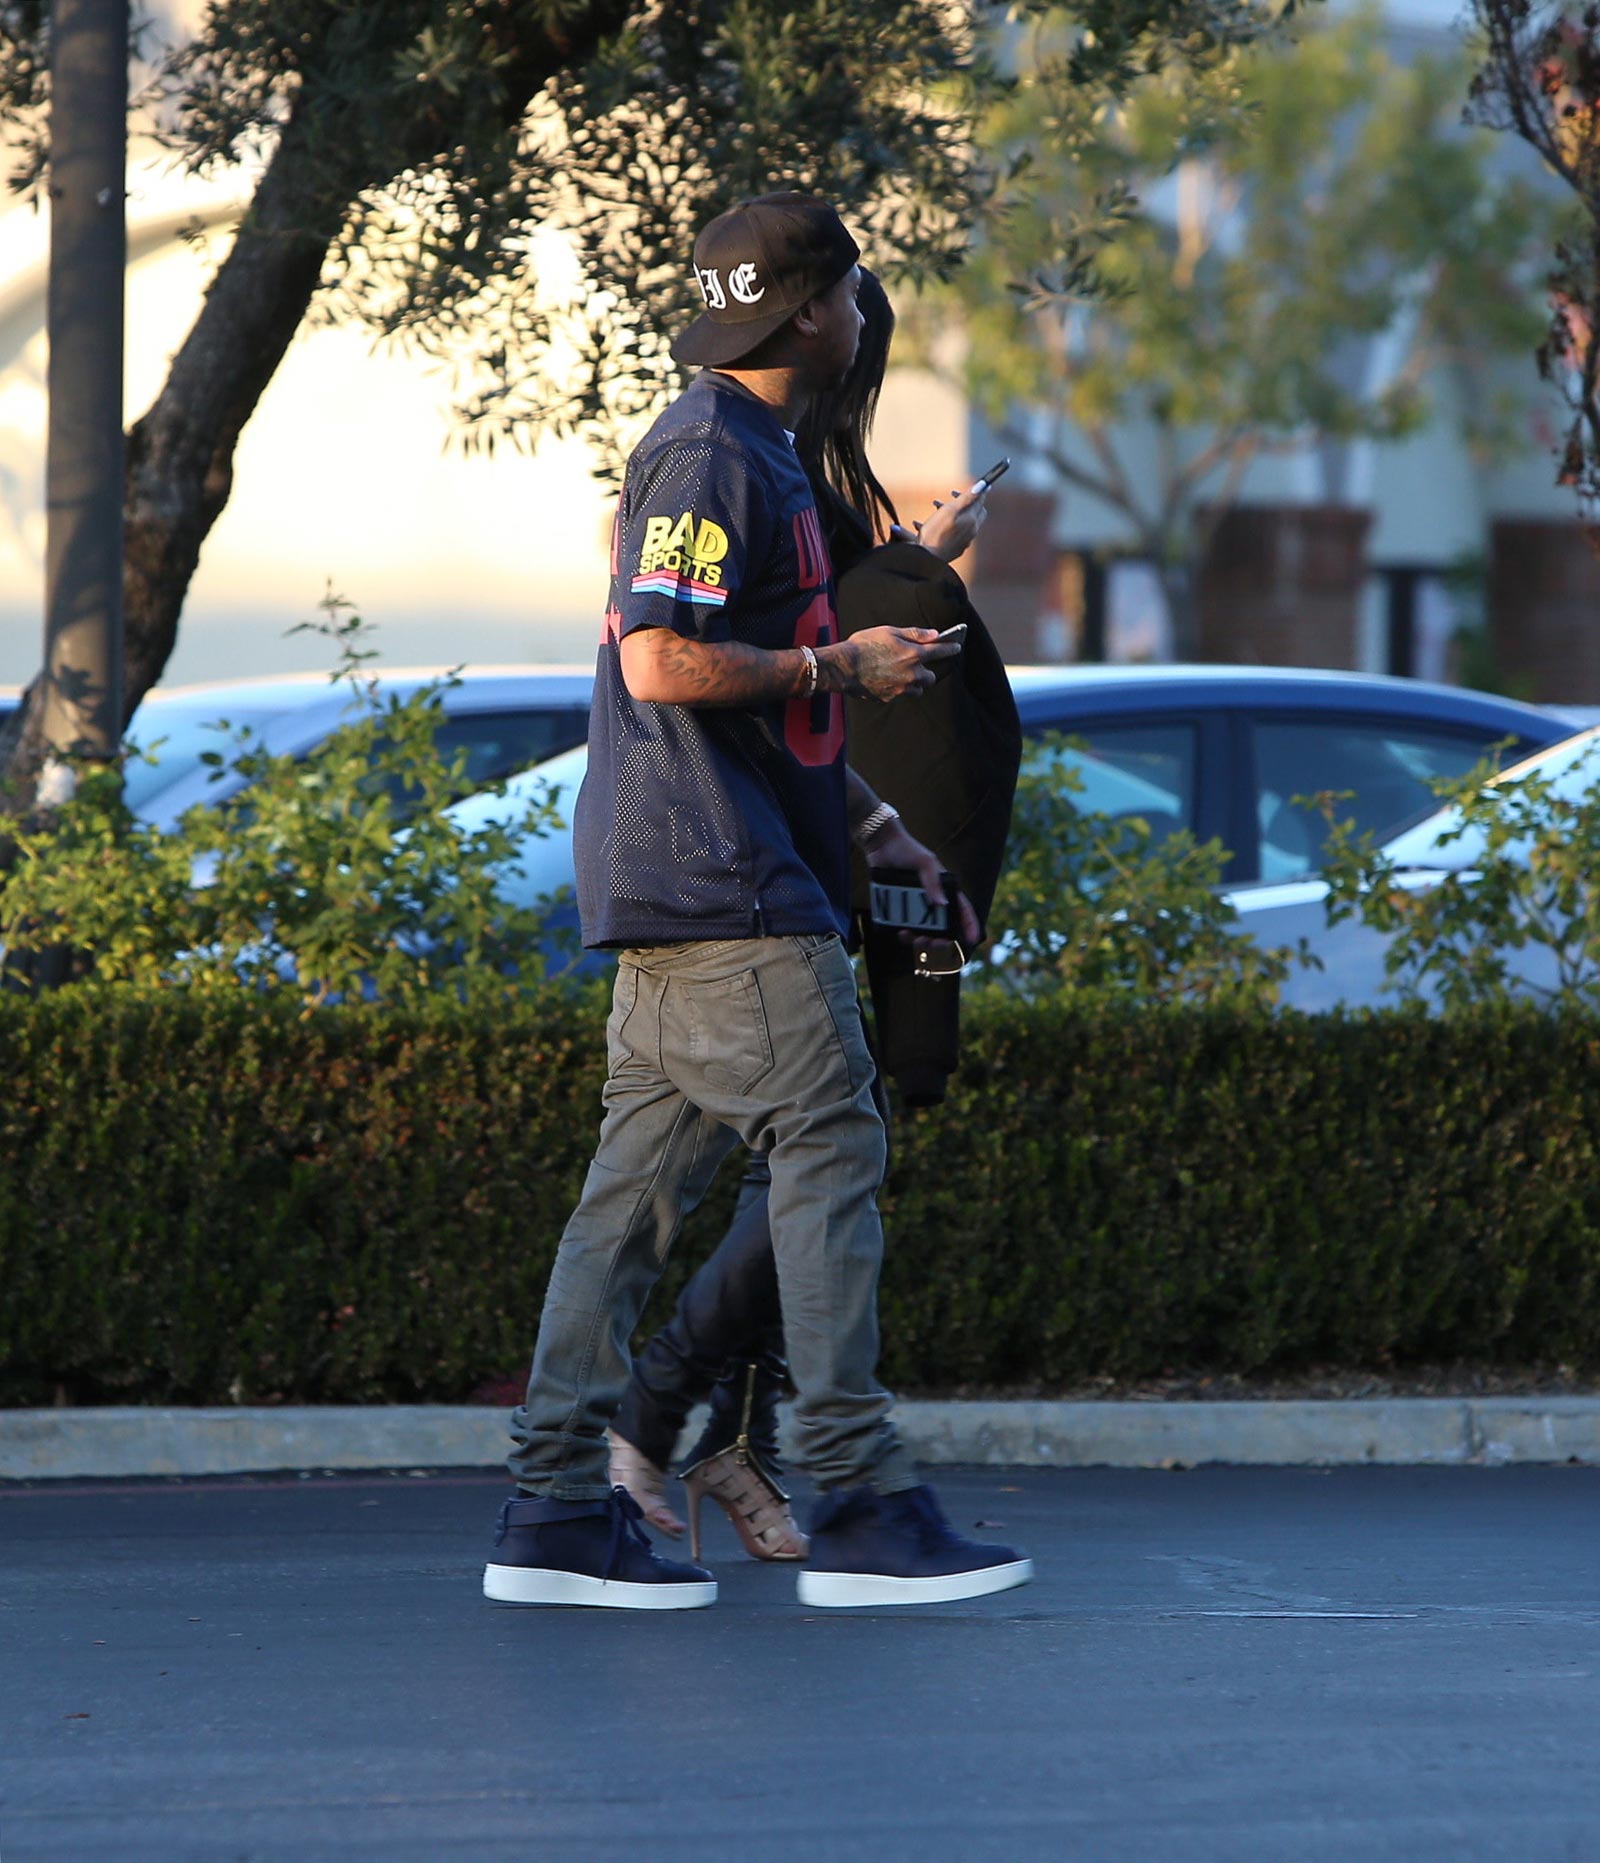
[[664, 668]]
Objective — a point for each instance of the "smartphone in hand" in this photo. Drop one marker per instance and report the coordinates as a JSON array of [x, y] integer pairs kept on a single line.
[[958, 633], [998, 470]]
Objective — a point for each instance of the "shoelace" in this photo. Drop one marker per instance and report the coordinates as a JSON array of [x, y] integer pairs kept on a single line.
[[625, 1518], [626, 1514]]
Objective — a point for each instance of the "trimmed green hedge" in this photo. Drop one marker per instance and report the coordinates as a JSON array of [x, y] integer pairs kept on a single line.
[[213, 1200]]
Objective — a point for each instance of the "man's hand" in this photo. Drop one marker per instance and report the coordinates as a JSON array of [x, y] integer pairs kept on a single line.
[[883, 662], [894, 846]]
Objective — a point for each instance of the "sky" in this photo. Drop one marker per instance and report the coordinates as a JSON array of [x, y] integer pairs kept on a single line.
[[345, 476]]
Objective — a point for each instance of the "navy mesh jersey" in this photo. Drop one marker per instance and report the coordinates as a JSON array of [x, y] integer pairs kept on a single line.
[[707, 822]]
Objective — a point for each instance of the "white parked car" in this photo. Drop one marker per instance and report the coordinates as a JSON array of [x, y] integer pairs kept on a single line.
[[1352, 954]]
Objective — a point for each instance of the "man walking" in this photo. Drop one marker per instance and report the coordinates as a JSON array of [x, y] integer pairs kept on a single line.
[[712, 838]]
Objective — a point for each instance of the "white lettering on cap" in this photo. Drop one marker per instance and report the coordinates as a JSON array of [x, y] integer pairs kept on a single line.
[[711, 287], [742, 283]]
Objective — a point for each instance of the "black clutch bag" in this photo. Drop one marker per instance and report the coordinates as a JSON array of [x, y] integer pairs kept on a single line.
[[895, 899]]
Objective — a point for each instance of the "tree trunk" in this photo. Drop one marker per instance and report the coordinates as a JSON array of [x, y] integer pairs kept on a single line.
[[180, 455], [1180, 584]]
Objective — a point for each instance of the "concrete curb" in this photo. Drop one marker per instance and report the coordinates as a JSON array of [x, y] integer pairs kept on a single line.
[[1440, 1431]]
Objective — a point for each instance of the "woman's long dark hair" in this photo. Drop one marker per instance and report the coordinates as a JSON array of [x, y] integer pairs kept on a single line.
[[832, 436]]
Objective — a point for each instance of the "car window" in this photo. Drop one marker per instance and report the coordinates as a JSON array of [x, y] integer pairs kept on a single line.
[[1134, 769], [1573, 771], [1385, 767], [497, 744]]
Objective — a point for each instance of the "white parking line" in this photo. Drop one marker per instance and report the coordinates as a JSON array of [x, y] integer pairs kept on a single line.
[[1381, 1616]]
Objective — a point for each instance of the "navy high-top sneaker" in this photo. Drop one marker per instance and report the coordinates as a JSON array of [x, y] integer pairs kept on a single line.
[[587, 1552], [871, 1548]]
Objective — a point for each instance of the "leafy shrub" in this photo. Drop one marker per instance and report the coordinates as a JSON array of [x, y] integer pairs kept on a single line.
[[1103, 904], [1505, 898], [338, 874], [207, 1196]]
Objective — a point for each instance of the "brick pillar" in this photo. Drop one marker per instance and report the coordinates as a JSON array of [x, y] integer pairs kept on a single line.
[[1009, 570], [1544, 610], [1282, 584]]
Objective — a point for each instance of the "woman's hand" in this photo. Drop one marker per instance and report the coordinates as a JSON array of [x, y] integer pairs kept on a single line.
[[953, 526], [895, 846]]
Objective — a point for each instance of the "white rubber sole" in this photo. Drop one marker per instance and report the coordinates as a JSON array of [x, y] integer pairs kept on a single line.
[[840, 1590], [523, 1584]]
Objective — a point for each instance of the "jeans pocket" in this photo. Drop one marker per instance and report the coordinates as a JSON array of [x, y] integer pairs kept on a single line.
[[725, 1033], [620, 1048]]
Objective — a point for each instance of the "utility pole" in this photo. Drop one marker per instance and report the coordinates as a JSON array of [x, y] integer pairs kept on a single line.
[[83, 466]]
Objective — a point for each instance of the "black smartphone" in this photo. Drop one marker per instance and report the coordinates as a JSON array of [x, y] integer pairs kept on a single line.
[[997, 471]]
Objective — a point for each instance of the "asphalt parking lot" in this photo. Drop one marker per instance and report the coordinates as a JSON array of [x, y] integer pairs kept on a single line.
[[1223, 1664]]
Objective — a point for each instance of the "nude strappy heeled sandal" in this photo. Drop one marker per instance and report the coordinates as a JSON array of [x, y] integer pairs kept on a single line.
[[747, 1491]]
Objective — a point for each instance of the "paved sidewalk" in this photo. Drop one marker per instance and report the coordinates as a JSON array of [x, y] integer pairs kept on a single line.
[[1434, 1431], [1358, 1665]]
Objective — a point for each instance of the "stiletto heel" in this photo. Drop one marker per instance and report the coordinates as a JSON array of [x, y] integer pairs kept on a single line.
[[747, 1491], [694, 1495]]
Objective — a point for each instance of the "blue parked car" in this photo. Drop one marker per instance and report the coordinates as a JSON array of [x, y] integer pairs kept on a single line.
[[1221, 750], [1228, 747], [503, 718], [1218, 749]]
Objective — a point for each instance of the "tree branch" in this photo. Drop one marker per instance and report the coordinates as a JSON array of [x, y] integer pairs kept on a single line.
[[1247, 447], [1112, 490]]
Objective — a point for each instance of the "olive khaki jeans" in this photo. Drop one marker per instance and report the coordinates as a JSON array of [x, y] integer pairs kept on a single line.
[[756, 1040]]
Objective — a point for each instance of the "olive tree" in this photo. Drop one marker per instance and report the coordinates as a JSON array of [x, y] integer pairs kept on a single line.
[[408, 163], [511, 187], [1260, 239]]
